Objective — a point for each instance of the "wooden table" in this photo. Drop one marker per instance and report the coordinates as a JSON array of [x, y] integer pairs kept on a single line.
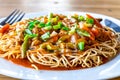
[[106, 7]]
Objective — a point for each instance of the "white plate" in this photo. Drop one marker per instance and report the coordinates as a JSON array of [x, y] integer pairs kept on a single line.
[[105, 71]]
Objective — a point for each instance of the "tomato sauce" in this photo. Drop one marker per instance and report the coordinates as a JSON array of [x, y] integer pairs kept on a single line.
[[26, 63]]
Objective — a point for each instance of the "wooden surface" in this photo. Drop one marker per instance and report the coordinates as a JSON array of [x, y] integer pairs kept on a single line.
[[106, 7]]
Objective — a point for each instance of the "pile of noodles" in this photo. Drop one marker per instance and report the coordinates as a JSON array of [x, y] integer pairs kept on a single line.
[[93, 55]]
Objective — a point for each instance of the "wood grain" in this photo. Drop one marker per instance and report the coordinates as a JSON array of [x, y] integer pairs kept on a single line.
[[106, 7]]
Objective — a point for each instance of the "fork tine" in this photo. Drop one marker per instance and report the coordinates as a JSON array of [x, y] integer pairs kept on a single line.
[[18, 17], [3, 22], [12, 16], [15, 16], [21, 17]]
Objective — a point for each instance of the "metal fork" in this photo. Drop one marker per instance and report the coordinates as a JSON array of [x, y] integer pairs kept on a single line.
[[15, 16]]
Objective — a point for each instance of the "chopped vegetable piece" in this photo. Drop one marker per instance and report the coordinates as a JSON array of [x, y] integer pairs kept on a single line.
[[45, 36], [4, 28], [62, 32], [25, 46], [83, 27], [95, 21], [89, 20], [56, 27], [55, 38], [48, 27], [63, 38], [28, 31], [88, 24], [60, 24], [81, 18], [54, 20], [83, 33], [71, 45], [72, 31], [31, 25], [92, 36], [49, 47], [50, 16], [73, 38], [75, 16], [33, 35], [57, 17], [48, 24], [81, 45], [95, 31], [54, 33], [36, 22], [41, 24], [65, 28]]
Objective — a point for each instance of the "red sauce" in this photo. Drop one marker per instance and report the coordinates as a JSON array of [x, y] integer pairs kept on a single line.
[[26, 63]]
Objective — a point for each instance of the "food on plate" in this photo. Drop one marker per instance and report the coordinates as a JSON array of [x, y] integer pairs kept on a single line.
[[57, 41]]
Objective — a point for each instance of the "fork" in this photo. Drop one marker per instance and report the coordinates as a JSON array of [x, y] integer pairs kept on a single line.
[[15, 16]]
